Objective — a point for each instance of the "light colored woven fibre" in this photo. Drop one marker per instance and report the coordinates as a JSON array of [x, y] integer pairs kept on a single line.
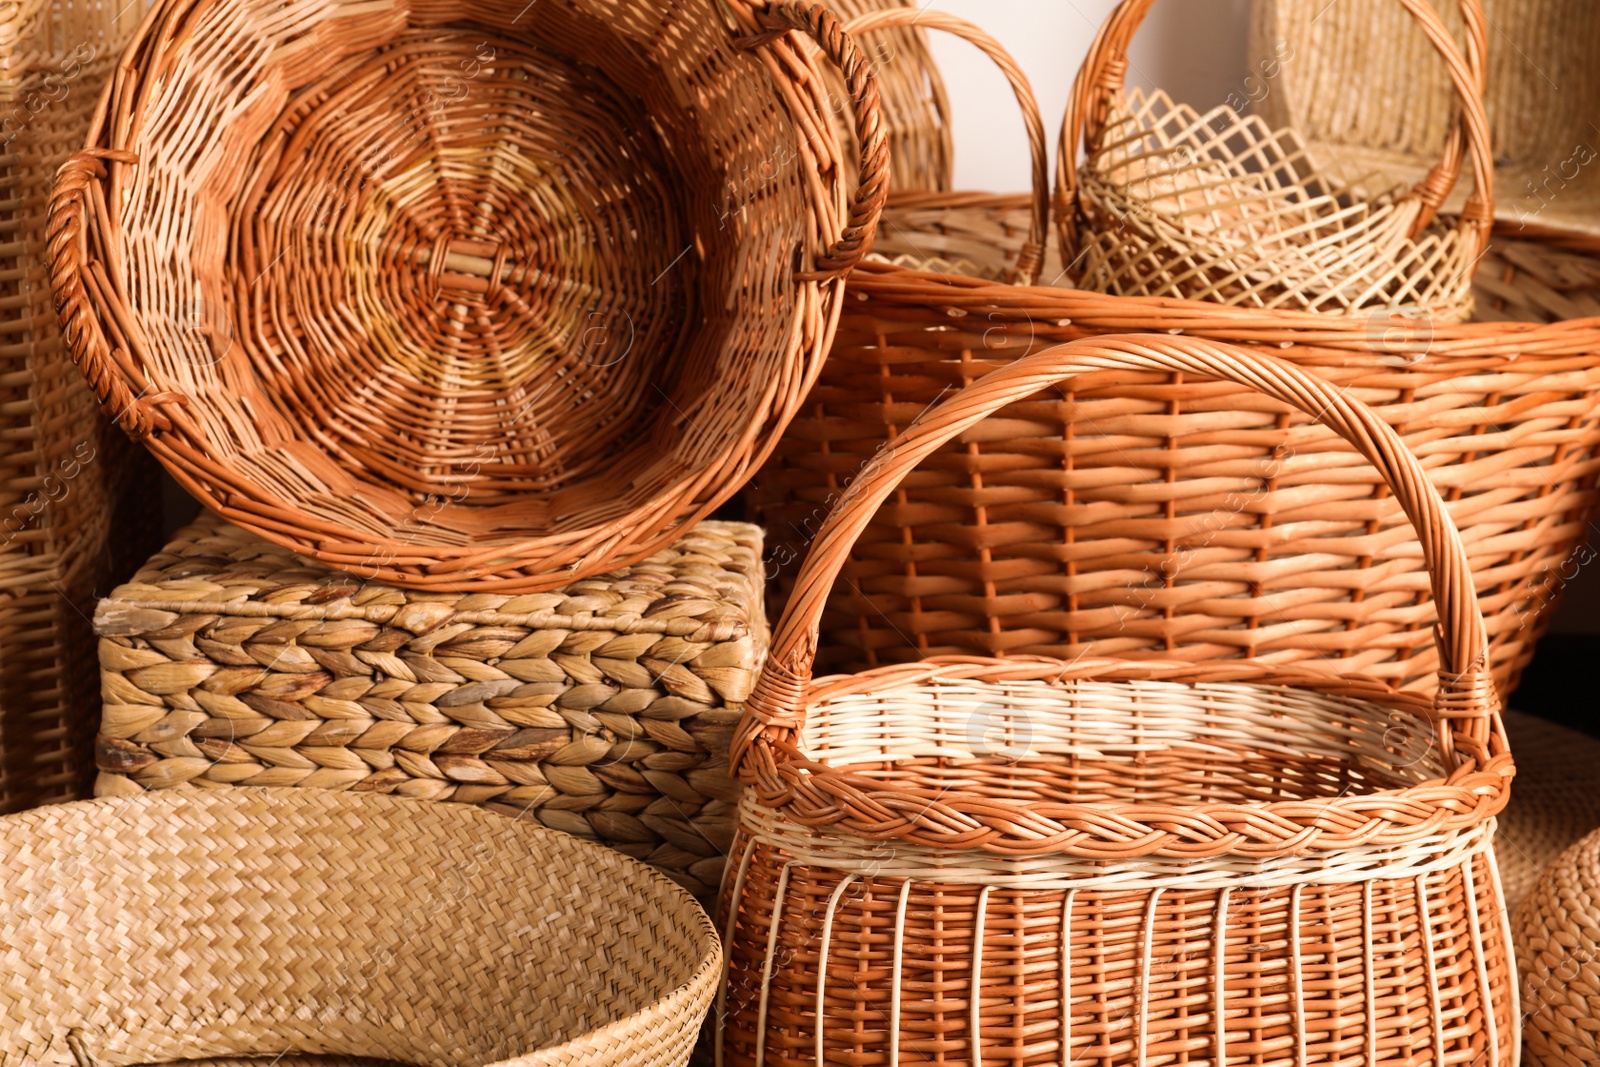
[[248, 923], [1558, 955], [1223, 207], [602, 709], [1555, 803]]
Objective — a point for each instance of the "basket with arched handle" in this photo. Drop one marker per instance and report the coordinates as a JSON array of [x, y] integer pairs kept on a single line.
[[1130, 836], [1222, 207], [359, 303]]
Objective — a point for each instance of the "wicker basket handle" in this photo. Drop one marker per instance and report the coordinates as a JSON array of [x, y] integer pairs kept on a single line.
[[108, 368], [1030, 261], [872, 190], [1466, 699], [1105, 70]]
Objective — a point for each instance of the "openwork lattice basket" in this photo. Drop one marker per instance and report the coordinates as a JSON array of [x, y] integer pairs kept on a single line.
[[1044, 861], [303, 922], [488, 295], [1222, 207]]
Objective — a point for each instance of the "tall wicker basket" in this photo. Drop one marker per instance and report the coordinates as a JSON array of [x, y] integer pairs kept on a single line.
[[67, 532], [1095, 861], [324, 263]]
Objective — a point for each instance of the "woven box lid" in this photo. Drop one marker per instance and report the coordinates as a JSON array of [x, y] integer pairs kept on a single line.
[[602, 709]]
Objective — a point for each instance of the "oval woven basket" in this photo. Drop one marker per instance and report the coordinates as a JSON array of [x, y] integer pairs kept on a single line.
[[259, 922], [1097, 861], [1223, 207], [489, 296], [1542, 98]]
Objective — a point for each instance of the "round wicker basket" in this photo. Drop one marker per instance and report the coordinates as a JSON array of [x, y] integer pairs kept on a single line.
[[1556, 802], [1040, 861], [259, 922], [494, 295], [1558, 957]]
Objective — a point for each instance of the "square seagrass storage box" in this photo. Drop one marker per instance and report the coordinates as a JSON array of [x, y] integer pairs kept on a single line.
[[603, 709]]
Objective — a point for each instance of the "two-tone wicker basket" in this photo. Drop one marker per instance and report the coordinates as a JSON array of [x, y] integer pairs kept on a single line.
[[267, 923], [466, 295], [1095, 861]]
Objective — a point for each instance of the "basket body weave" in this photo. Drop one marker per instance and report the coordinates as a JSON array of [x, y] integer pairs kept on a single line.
[[602, 710], [428, 341], [66, 529], [349, 926], [1557, 950], [1151, 516], [1040, 860]]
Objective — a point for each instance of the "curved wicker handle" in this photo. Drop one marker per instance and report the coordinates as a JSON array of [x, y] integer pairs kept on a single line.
[[1105, 71], [872, 191], [775, 712], [1030, 261], [139, 414]]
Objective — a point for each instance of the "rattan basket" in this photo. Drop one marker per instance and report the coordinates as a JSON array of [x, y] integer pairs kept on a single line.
[[259, 922], [1555, 805], [1558, 957], [1038, 861], [1223, 207], [1364, 90], [67, 478], [359, 303]]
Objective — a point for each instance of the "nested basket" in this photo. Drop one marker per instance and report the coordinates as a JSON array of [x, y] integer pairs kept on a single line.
[[262, 922], [67, 478], [1097, 861], [487, 296], [1222, 207], [1148, 515], [1359, 82]]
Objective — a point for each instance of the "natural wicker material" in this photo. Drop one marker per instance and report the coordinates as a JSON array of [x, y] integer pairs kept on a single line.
[[65, 473], [916, 109], [1180, 519], [1558, 957], [603, 709], [360, 304], [1555, 804], [1162, 846], [1364, 89], [1223, 207], [255, 922]]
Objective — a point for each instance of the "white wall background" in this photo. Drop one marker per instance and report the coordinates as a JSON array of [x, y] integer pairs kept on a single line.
[[1195, 49]]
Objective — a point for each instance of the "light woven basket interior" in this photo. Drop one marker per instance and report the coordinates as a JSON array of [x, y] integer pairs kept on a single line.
[[487, 274]]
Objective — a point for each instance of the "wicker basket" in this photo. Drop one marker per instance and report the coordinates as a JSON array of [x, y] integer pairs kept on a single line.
[[916, 109], [1558, 957], [256, 922], [444, 357], [1222, 207], [1555, 805], [933, 859], [1542, 99], [603, 709], [67, 478]]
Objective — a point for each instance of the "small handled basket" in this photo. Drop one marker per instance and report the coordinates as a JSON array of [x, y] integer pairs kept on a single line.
[[338, 930], [1042, 862], [323, 263], [1221, 207]]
